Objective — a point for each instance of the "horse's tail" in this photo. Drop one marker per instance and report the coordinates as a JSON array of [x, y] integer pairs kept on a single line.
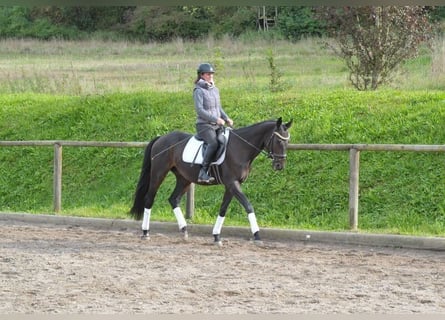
[[144, 180]]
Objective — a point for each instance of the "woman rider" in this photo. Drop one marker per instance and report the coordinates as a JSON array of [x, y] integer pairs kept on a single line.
[[210, 116]]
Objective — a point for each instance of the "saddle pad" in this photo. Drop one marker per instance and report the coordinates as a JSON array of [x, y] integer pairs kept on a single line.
[[193, 151]]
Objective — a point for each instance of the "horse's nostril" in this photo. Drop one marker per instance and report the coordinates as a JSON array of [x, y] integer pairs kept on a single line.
[[278, 166]]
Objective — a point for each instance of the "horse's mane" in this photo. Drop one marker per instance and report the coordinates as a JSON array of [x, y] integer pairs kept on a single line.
[[248, 128]]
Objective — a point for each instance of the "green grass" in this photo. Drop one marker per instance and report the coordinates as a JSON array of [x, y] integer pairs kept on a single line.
[[400, 192], [97, 67]]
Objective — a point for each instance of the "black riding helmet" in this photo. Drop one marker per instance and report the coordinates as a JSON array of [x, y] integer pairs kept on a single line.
[[205, 68]]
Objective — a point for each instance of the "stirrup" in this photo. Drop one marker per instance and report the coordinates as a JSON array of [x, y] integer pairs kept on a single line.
[[203, 177], [206, 180]]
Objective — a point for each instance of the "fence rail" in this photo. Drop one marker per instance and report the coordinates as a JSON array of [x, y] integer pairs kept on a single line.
[[354, 164]]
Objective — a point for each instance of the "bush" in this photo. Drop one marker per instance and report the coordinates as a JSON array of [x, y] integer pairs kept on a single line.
[[166, 23], [234, 21], [13, 21], [20, 22], [374, 41], [298, 22]]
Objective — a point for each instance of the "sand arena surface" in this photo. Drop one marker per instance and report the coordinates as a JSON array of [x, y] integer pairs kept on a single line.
[[47, 269]]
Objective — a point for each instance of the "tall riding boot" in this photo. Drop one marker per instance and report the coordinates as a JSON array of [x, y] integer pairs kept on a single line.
[[203, 176]]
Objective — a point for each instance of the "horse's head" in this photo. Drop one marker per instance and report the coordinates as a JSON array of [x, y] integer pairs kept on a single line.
[[277, 145]]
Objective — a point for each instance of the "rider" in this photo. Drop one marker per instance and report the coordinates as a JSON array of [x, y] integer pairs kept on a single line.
[[210, 116]]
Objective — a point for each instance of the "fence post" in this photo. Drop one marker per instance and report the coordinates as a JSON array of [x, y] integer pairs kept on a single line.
[[190, 202], [57, 185], [354, 165]]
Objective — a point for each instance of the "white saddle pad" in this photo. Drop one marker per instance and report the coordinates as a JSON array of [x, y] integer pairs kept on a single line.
[[193, 151]]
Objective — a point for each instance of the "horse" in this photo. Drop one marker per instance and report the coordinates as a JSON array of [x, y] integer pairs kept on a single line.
[[164, 154]]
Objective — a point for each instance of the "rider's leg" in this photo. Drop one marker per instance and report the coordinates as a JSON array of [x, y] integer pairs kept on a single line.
[[204, 172], [208, 134]]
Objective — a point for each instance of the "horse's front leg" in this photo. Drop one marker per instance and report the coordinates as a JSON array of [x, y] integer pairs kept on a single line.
[[221, 216], [235, 189]]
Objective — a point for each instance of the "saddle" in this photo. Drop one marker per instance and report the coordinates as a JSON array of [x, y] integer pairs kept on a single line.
[[194, 149]]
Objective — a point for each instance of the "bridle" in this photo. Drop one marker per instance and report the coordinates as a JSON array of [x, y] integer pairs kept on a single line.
[[268, 147], [272, 155]]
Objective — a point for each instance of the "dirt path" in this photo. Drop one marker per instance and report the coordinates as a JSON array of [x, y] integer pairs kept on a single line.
[[77, 270]]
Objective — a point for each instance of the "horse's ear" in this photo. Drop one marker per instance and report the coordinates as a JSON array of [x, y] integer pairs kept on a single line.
[[279, 122], [289, 124]]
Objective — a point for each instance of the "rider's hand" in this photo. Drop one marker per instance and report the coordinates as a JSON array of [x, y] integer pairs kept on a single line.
[[229, 122], [220, 122]]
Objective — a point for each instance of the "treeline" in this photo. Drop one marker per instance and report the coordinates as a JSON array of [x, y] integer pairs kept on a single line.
[[151, 23]]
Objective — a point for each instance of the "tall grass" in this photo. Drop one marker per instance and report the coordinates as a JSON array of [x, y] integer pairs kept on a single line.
[[438, 58], [98, 67]]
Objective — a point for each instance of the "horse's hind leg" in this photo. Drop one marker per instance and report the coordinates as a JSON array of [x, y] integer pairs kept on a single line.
[[155, 182], [175, 199], [146, 223]]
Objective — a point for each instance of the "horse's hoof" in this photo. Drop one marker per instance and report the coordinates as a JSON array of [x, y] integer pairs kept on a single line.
[[258, 243], [217, 240], [145, 237], [256, 239], [185, 234], [218, 243]]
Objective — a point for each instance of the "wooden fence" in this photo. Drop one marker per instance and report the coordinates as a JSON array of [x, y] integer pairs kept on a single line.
[[353, 149]]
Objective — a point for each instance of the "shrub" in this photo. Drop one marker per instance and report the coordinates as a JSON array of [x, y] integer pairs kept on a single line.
[[374, 41]]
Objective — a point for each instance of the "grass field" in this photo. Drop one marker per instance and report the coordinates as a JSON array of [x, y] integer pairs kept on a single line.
[[94, 67], [131, 92]]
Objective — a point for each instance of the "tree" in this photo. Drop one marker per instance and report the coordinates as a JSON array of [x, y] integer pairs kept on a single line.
[[298, 22], [164, 23], [373, 41]]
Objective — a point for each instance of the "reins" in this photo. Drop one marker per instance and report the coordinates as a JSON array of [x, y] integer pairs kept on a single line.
[[249, 143], [168, 148], [269, 153]]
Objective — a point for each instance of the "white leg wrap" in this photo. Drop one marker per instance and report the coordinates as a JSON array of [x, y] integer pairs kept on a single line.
[[180, 218], [218, 225], [146, 221], [253, 224]]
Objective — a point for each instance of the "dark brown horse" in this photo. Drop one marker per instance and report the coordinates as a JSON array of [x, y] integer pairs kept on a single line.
[[165, 153]]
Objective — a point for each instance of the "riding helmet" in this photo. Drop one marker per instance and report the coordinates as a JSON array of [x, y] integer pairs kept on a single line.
[[205, 67]]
